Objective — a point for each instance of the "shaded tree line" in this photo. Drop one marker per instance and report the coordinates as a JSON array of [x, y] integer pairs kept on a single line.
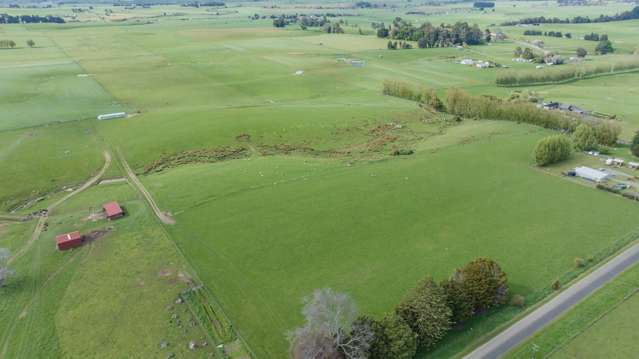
[[593, 36], [547, 33], [626, 15], [483, 4], [428, 35], [334, 330], [30, 19]]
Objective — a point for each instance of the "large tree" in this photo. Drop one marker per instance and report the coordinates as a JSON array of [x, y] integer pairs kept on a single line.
[[604, 47], [552, 149], [328, 332], [393, 338], [584, 138], [480, 284], [426, 311]]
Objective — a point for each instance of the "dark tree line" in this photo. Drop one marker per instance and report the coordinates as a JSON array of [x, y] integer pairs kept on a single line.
[[593, 36], [428, 35], [334, 330], [483, 4], [30, 19], [626, 15], [547, 33]]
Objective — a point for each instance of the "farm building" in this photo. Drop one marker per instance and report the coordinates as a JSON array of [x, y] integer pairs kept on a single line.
[[633, 165], [68, 240], [113, 210], [591, 174], [110, 116]]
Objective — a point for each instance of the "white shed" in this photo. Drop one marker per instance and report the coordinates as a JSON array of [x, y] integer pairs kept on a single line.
[[591, 174], [110, 116]]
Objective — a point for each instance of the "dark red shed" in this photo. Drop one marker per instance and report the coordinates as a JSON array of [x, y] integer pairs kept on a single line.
[[68, 240], [113, 210]]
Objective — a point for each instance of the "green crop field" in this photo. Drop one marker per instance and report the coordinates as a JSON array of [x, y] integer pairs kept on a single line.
[[271, 149]]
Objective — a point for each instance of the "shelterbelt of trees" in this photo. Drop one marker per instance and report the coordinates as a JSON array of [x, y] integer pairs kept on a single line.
[[626, 15], [428, 35], [30, 19]]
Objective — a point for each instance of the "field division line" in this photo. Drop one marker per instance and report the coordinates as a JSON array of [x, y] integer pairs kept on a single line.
[[135, 182]]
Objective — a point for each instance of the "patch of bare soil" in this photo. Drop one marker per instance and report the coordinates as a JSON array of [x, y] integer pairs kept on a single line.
[[196, 156], [288, 149], [97, 234]]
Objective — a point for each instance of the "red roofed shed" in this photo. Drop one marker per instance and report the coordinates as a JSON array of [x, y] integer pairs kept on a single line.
[[68, 240], [113, 210]]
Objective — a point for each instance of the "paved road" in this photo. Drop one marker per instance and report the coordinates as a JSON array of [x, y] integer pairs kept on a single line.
[[542, 316], [135, 181]]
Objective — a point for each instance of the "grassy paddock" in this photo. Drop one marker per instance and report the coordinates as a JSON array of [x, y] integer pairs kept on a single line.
[[397, 237], [567, 73]]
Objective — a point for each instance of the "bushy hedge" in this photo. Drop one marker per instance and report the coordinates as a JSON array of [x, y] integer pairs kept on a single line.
[[461, 103], [552, 149], [406, 91], [564, 73]]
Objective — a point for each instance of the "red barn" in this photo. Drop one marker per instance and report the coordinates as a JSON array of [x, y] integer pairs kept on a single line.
[[113, 210], [68, 240]]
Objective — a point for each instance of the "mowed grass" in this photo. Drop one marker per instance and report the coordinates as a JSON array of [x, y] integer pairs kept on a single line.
[[110, 298], [603, 325], [264, 232]]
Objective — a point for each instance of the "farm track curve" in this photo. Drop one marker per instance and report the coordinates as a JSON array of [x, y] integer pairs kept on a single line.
[[135, 181]]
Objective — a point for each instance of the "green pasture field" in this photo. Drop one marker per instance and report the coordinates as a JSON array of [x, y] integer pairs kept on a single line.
[[263, 231], [378, 227], [88, 302], [604, 325]]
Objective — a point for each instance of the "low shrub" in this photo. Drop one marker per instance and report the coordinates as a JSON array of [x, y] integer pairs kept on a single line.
[[518, 301], [556, 285], [580, 262]]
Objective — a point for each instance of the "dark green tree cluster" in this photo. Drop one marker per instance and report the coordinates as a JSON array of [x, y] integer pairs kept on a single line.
[[593, 36], [30, 19], [552, 149], [7, 44], [626, 15], [483, 4], [397, 45], [475, 288], [604, 47], [428, 35], [426, 314]]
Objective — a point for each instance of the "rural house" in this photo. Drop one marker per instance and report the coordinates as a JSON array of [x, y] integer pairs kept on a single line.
[[68, 240], [113, 210]]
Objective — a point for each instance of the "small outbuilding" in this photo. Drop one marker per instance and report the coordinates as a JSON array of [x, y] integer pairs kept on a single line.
[[633, 165], [111, 116], [113, 210], [68, 240], [591, 174]]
